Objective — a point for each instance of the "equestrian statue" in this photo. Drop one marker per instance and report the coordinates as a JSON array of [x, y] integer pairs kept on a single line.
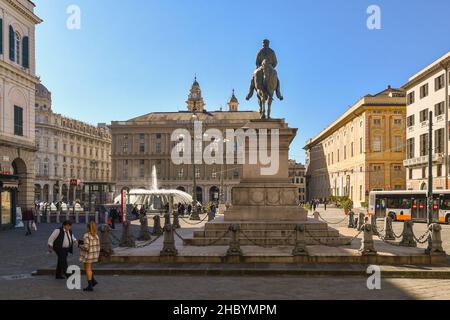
[[265, 79]]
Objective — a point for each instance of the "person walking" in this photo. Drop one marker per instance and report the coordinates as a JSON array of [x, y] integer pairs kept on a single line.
[[28, 220], [113, 215], [61, 241], [212, 213], [89, 254], [325, 204]]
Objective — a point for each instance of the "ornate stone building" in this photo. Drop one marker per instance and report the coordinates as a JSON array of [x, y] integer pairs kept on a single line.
[[362, 151], [68, 150], [143, 142], [428, 90], [17, 89], [297, 174]]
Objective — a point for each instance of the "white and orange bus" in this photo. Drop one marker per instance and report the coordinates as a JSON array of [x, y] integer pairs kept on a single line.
[[410, 205]]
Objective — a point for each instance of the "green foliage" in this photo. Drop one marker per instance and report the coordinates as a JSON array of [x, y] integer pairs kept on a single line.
[[307, 206], [365, 205]]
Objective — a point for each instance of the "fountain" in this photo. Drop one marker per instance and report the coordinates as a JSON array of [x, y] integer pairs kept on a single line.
[[155, 198]]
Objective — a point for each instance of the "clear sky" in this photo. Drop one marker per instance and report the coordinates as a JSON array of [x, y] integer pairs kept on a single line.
[[138, 56]]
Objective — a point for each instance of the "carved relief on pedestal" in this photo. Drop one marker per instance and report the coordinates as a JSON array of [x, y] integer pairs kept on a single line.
[[289, 197], [240, 196], [257, 196], [273, 196]]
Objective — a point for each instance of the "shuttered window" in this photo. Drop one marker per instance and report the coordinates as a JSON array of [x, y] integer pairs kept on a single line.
[[18, 121], [26, 52], [12, 56]]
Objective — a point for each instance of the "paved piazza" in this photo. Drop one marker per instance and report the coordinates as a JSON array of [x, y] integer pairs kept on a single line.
[[22, 255]]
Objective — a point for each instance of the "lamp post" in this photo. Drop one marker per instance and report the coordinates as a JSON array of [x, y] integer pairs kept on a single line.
[[194, 215], [222, 169], [430, 177]]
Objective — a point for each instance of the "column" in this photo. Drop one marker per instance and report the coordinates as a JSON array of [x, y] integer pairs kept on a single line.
[[50, 192]]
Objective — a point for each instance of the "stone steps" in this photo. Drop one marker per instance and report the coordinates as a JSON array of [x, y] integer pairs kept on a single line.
[[273, 241], [266, 233]]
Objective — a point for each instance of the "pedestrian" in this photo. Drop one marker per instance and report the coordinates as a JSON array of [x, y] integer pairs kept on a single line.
[[212, 213], [28, 220], [62, 241], [325, 205], [113, 217], [135, 212], [142, 212], [89, 254], [189, 209]]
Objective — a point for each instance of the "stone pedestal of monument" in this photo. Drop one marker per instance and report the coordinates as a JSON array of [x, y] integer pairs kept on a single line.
[[265, 205], [267, 196]]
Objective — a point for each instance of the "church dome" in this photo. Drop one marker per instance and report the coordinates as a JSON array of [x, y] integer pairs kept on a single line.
[[42, 91]]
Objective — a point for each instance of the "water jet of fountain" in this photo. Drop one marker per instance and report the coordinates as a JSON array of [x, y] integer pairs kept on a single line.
[[154, 185]]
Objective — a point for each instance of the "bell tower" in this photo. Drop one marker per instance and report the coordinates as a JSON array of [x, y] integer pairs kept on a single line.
[[195, 99], [233, 104]]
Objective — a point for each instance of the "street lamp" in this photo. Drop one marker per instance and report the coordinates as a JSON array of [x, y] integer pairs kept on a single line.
[[194, 215]]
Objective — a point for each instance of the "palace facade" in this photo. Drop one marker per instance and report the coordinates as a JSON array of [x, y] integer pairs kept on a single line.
[[139, 144], [362, 151], [17, 98], [68, 150], [428, 90], [297, 174]]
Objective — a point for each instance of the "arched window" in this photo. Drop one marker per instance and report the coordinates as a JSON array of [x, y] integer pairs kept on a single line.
[[17, 44]]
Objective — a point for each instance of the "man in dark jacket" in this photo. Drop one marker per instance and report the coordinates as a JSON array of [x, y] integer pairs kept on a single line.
[[62, 241], [28, 219]]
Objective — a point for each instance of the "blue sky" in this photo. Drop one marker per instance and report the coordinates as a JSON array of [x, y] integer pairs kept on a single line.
[[137, 56]]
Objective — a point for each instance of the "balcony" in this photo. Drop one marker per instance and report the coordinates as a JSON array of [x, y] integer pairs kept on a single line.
[[438, 158]]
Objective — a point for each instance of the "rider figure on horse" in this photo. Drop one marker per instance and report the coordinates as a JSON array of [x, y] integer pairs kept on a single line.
[[268, 55]]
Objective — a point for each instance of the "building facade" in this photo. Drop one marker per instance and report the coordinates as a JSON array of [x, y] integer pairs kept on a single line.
[[17, 89], [143, 142], [297, 174], [428, 91], [363, 150], [68, 150]]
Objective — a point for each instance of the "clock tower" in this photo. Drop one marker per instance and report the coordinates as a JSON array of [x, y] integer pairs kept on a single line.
[[195, 99]]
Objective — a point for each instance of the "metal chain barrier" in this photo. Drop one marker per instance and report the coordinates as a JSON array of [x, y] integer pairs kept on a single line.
[[423, 238], [395, 235], [319, 241], [147, 243], [329, 222], [383, 237], [114, 237], [193, 223], [217, 240]]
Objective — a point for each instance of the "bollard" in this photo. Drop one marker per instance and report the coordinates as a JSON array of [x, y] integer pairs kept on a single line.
[[77, 217], [373, 222], [127, 239], [96, 217], [144, 233], [361, 222], [408, 235], [195, 213], [235, 247], [436, 241], [169, 249], [367, 245], [176, 221], [157, 230], [351, 220], [316, 215], [388, 231], [300, 243], [105, 241], [166, 219], [48, 218]]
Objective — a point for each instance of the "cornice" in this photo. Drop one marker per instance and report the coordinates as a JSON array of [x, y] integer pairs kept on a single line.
[[23, 10]]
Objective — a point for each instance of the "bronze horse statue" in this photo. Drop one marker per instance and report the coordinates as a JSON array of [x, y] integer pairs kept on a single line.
[[265, 83]]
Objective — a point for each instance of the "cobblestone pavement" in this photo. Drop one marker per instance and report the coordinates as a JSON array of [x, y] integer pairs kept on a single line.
[[221, 288], [21, 255]]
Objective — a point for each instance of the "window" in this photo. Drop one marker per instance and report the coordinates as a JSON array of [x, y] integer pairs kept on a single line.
[[141, 143], [424, 115], [398, 122], [376, 168], [410, 121], [214, 174], [410, 174], [17, 40], [397, 144], [18, 121], [197, 173], [410, 148], [439, 82], [439, 108], [397, 168], [376, 144], [345, 152], [439, 140], [124, 145], [424, 91], [158, 147], [180, 173], [125, 169], [439, 170], [158, 136], [360, 145], [377, 122], [424, 173], [411, 98], [424, 144], [352, 150], [141, 168], [235, 174]]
